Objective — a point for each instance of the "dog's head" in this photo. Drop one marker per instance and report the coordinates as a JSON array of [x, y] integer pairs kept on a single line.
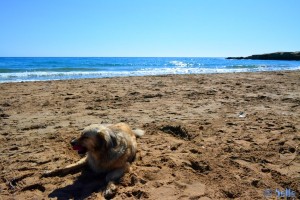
[[94, 138]]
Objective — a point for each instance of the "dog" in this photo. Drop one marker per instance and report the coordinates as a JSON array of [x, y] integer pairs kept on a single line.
[[110, 149]]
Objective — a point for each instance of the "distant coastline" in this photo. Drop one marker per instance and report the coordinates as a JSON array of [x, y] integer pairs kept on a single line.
[[272, 56]]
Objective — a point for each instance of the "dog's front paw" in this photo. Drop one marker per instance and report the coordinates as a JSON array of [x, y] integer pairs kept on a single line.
[[110, 191], [49, 173], [46, 174]]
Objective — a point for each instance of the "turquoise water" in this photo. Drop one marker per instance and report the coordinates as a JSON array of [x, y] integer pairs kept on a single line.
[[42, 69]]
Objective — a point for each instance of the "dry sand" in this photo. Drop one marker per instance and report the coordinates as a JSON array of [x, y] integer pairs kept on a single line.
[[207, 136]]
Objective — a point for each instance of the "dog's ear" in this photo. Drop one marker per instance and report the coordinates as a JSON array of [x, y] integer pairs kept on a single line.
[[108, 137], [113, 141]]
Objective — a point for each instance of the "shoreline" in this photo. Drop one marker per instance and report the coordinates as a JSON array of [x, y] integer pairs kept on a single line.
[[243, 134], [163, 75]]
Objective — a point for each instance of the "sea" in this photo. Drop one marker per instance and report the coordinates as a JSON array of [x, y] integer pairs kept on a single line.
[[21, 69]]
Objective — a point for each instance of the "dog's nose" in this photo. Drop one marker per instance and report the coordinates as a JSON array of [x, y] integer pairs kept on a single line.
[[73, 142]]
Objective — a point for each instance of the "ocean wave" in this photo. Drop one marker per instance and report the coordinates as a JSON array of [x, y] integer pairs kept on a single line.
[[141, 72], [43, 76], [178, 63]]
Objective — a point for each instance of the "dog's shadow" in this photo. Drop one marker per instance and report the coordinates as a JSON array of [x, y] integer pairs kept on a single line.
[[87, 183]]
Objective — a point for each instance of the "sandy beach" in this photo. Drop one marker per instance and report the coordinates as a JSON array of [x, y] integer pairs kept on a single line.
[[214, 136]]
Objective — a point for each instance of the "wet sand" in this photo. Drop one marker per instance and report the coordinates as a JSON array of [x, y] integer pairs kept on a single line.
[[213, 136]]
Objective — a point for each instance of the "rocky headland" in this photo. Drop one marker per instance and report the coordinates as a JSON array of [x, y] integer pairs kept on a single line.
[[272, 56]]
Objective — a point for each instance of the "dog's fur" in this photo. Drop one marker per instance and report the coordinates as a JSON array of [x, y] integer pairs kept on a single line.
[[110, 149]]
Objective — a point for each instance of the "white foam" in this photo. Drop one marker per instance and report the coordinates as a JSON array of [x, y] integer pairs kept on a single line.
[[179, 63], [182, 68]]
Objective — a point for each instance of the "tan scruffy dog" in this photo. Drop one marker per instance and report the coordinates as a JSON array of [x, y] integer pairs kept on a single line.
[[110, 149]]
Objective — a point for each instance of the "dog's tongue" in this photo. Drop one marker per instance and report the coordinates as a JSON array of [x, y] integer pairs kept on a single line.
[[78, 148]]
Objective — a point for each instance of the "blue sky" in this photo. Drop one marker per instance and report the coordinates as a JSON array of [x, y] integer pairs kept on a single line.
[[212, 28]]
